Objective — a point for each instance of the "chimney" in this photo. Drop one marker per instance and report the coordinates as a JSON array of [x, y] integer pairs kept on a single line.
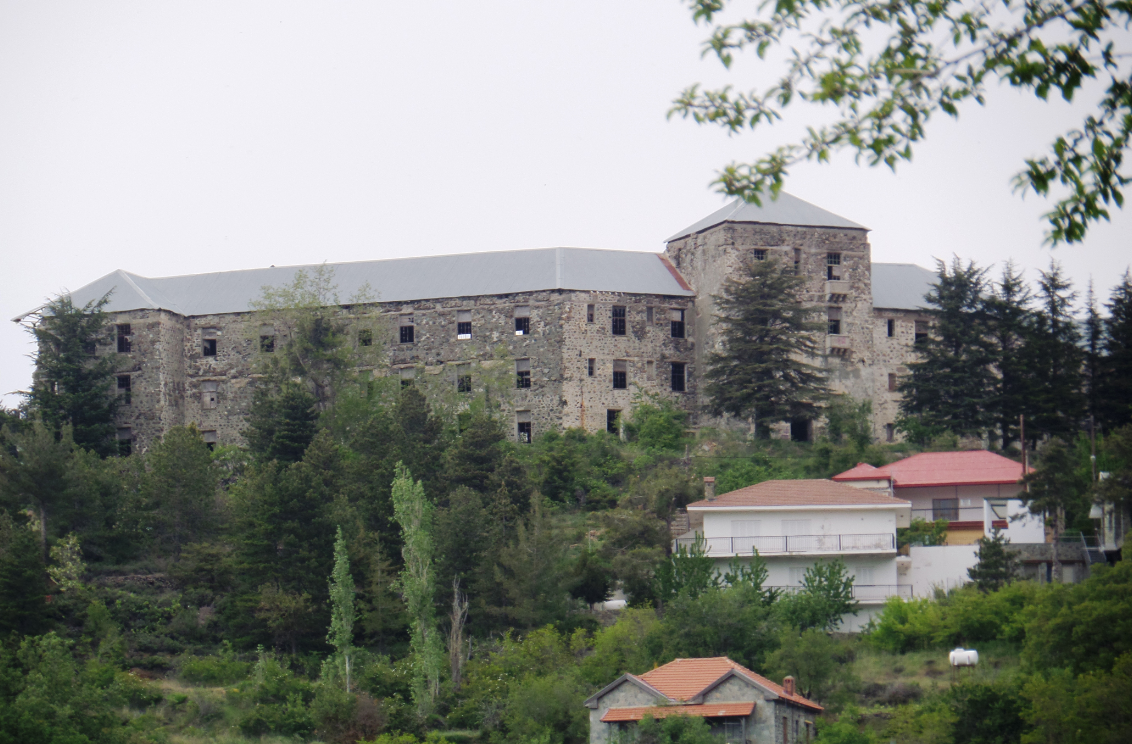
[[788, 686], [709, 488]]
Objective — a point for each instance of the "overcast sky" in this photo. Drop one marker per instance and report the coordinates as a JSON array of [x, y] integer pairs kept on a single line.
[[174, 138]]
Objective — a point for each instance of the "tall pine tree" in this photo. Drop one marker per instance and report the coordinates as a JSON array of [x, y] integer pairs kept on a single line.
[[1009, 318], [951, 386], [1117, 375], [768, 333], [1055, 359], [1093, 370]]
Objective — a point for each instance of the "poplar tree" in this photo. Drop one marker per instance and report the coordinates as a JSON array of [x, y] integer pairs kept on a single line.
[[341, 634], [413, 513], [951, 386], [1117, 375], [767, 335]]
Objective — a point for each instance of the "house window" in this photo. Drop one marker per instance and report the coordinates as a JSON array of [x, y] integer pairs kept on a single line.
[[365, 337], [891, 382], [463, 378], [124, 389], [676, 317], [833, 315], [523, 426], [733, 732], [408, 374], [463, 324], [759, 254], [589, 313], [523, 320], [209, 394], [678, 377], [522, 373], [921, 331], [407, 329], [945, 509], [208, 341], [797, 260], [890, 432], [590, 364], [832, 266], [620, 374], [618, 320], [613, 421], [210, 439], [865, 576], [267, 339], [124, 333], [800, 430], [891, 327], [125, 439], [648, 314]]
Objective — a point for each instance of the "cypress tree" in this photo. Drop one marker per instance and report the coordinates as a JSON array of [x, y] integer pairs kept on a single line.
[[1054, 358], [1009, 317], [951, 386], [1117, 374], [767, 333], [341, 633], [282, 422], [1093, 370], [997, 566], [72, 384]]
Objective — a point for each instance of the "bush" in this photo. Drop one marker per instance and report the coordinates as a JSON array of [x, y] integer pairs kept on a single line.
[[221, 669]]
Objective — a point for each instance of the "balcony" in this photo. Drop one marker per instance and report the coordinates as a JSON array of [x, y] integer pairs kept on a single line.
[[958, 517], [839, 344], [837, 288], [864, 593], [724, 547]]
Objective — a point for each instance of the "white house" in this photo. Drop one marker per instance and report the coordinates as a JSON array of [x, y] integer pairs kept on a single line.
[[795, 523]]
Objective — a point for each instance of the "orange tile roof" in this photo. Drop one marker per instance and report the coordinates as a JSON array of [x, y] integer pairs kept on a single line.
[[663, 711], [800, 493], [684, 679], [972, 468]]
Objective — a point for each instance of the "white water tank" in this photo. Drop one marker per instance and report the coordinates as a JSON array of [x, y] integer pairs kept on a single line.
[[963, 657]]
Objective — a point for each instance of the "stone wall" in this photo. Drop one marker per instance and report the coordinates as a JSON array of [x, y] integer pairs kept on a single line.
[[892, 354]]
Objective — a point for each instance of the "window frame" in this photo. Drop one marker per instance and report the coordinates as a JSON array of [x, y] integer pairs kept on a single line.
[[619, 320], [128, 395], [523, 376], [621, 375], [678, 329], [682, 369]]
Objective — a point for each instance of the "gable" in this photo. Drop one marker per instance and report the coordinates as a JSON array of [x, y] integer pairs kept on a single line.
[[626, 691], [735, 688]]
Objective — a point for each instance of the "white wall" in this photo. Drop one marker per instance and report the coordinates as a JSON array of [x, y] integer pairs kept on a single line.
[[788, 570], [717, 522], [943, 566], [1022, 526]]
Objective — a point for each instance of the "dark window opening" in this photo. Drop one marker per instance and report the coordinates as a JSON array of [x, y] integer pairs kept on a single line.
[[522, 373], [208, 346], [835, 326], [365, 337], [522, 326], [124, 389], [676, 317], [832, 266], [124, 333], [406, 334], [797, 260], [125, 442], [648, 314], [589, 313], [620, 375], [618, 320], [463, 324], [678, 379], [524, 430], [463, 378], [921, 331], [590, 363], [613, 421], [890, 432], [891, 327], [760, 254], [945, 509], [267, 344], [210, 439], [800, 430], [891, 382]]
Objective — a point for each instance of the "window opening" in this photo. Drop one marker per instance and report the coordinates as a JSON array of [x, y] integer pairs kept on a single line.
[[648, 314], [759, 254], [523, 426], [678, 377], [833, 315], [620, 374], [613, 421], [865, 577], [208, 341], [408, 374], [463, 378], [124, 389], [209, 394], [590, 364], [797, 260], [800, 430], [124, 333], [891, 327], [618, 320], [890, 432], [522, 373], [945, 509], [523, 320], [210, 439], [463, 324], [407, 329], [650, 370], [267, 339], [921, 331], [365, 337], [676, 317], [125, 439], [733, 732], [832, 266], [891, 382]]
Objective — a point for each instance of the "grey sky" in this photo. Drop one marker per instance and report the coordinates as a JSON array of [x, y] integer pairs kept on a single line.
[[174, 138]]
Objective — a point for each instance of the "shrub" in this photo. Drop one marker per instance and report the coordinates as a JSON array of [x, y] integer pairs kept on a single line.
[[222, 668]]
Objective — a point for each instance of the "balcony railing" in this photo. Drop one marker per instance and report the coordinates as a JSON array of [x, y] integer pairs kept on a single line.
[[863, 592], [793, 544]]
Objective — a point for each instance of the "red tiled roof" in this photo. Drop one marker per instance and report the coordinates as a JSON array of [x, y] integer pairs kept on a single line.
[[663, 711], [973, 468], [800, 493], [684, 679]]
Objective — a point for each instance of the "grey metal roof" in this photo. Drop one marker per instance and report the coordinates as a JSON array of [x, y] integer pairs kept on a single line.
[[401, 279], [901, 286], [785, 210]]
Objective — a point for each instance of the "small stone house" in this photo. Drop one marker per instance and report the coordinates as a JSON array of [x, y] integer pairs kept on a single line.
[[741, 707]]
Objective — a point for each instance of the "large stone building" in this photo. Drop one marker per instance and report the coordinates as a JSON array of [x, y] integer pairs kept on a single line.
[[584, 328]]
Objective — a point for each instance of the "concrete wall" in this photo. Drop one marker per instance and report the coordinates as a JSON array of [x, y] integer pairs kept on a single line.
[[940, 566], [719, 523]]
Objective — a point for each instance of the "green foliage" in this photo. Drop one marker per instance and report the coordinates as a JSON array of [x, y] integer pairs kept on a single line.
[[1115, 384], [1095, 707], [221, 668], [986, 713], [688, 572], [534, 573], [732, 622], [812, 657], [1054, 360], [1056, 486], [825, 596], [849, 420], [922, 532], [656, 423], [281, 422], [621, 648], [23, 585], [341, 633], [674, 730], [997, 564], [845, 730], [180, 488], [766, 332]]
